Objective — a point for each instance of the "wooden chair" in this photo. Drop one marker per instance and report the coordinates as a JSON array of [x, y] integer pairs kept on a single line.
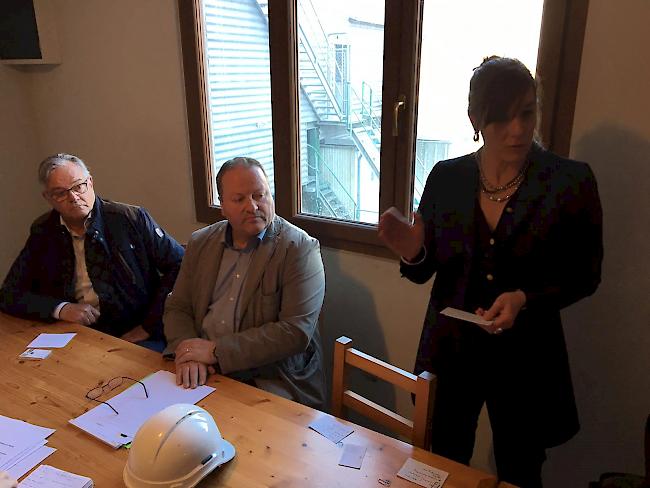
[[423, 387], [503, 484]]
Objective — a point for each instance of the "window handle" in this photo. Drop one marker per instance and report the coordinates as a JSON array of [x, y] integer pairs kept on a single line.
[[399, 105]]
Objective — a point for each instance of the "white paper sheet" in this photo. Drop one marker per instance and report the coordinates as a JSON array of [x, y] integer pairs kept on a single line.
[[13, 450], [331, 428], [466, 316], [19, 439], [28, 462], [134, 408], [49, 477], [52, 340], [21, 445], [422, 474], [18, 429]]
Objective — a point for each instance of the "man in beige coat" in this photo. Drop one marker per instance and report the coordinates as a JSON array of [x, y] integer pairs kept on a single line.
[[248, 295]]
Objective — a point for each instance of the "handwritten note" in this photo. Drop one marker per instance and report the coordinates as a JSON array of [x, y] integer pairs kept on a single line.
[[36, 353], [331, 428], [422, 474], [47, 476]]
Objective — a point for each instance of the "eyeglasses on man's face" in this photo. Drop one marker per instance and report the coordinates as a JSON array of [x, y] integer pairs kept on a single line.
[[61, 194], [98, 391]]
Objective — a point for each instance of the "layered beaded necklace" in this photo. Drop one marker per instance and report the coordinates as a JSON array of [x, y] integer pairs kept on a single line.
[[490, 190]]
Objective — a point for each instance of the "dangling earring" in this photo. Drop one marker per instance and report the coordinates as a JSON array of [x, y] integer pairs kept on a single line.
[[475, 135]]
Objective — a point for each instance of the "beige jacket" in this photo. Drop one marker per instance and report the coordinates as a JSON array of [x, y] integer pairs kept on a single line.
[[277, 337]]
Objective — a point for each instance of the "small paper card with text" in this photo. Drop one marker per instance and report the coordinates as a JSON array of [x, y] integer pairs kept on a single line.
[[352, 456], [331, 428], [35, 353], [49, 477], [422, 474]]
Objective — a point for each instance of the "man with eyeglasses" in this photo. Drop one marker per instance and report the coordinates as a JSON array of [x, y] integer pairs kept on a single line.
[[92, 261]]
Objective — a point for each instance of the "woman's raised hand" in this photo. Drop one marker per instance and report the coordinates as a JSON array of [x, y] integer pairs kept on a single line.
[[400, 235]]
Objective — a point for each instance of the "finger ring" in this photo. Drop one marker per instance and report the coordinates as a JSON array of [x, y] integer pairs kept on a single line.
[[498, 331]]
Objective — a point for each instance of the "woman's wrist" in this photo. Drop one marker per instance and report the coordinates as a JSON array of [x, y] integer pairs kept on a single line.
[[418, 258]]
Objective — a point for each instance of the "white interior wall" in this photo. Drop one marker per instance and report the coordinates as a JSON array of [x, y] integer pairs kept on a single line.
[[20, 200], [608, 335], [117, 101]]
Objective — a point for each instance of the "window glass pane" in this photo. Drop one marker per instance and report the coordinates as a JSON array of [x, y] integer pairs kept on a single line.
[[238, 82], [456, 36], [340, 58]]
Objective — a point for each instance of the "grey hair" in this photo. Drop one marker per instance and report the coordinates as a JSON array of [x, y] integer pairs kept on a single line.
[[55, 161], [234, 162]]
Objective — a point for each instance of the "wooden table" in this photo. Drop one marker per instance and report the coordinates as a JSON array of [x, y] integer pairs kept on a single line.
[[274, 446]]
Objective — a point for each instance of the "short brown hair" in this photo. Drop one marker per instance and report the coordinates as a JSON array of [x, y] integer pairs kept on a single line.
[[496, 85], [234, 162]]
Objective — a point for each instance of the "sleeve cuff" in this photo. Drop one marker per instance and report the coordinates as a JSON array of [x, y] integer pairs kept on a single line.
[[419, 259], [57, 310]]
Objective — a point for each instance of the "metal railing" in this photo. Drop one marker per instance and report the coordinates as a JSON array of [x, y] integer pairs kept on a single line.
[[418, 183], [351, 208]]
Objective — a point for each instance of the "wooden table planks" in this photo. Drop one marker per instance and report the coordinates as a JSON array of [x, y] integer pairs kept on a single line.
[[274, 446]]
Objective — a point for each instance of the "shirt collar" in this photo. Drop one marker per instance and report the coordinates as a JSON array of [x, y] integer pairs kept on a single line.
[[252, 244], [72, 233]]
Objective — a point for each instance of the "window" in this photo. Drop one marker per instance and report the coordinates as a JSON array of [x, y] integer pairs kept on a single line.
[[347, 135]]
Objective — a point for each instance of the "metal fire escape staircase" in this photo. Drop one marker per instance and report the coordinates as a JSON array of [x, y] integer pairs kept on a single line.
[[324, 82]]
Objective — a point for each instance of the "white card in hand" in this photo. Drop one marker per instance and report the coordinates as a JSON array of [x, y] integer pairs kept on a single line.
[[422, 474], [331, 428], [35, 353], [352, 456], [466, 316]]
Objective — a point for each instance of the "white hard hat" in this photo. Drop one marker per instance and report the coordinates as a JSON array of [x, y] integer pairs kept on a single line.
[[176, 448]]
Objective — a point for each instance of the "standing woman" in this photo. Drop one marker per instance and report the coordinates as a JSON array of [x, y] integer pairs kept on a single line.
[[513, 233]]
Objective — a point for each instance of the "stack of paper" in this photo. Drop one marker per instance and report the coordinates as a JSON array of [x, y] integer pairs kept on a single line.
[[47, 477], [22, 446], [134, 408]]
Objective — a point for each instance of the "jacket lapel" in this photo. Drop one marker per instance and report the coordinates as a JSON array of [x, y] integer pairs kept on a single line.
[[263, 254], [465, 201], [209, 264], [529, 196]]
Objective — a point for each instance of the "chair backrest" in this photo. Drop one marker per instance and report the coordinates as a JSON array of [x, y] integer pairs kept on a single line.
[[504, 484], [417, 430]]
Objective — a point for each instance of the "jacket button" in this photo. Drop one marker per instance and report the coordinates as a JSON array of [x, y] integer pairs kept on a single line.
[[489, 277], [491, 242], [509, 209]]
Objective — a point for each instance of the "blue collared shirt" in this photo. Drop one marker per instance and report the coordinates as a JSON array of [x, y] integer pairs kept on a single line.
[[224, 312]]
